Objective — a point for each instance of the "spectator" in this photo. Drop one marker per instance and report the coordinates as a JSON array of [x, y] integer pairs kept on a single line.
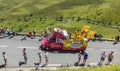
[[13, 32], [24, 34], [46, 57], [116, 40], [40, 55], [110, 57], [79, 57], [5, 58], [25, 55], [7, 32], [2, 31], [103, 56], [85, 57], [34, 32]]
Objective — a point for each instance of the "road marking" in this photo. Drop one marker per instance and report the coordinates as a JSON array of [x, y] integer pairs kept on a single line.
[[108, 49], [28, 47], [93, 64], [54, 65], [49, 65], [3, 46], [49, 68]]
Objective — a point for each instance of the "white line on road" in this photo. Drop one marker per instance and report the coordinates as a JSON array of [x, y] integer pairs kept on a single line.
[[93, 64], [28, 47], [3, 46], [54, 65], [51, 65]]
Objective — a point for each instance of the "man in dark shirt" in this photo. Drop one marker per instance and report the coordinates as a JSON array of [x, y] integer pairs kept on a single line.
[[25, 55], [85, 57]]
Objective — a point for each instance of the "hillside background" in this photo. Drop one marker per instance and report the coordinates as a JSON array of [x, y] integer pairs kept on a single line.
[[27, 12], [98, 10]]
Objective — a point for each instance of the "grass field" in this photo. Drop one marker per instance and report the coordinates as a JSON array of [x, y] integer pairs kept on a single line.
[[98, 10], [106, 31], [103, 68], [27, 14]]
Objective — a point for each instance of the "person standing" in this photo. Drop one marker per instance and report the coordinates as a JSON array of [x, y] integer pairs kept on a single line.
[[79, 57], [110, 57], [24, 35], [25, 55], [34, 32], [85, 57], [103, 56], [5, 58], [46, 57], [40, 55]]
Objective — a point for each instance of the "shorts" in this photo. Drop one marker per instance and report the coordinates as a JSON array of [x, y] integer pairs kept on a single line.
[[25, 57], [109, 59], [85, 58], [102, 58]]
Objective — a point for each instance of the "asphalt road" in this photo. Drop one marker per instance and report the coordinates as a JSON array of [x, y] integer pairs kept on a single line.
[[13, 48]]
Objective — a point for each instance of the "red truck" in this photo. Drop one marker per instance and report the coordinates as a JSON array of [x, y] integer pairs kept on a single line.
[[58, 41]]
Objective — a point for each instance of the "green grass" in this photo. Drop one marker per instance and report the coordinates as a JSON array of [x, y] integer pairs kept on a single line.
[[103, 68], [99, 10], [24, 15], [106, 31]]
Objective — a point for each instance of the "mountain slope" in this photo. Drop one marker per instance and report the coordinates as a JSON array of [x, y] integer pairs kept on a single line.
[[98, 10]]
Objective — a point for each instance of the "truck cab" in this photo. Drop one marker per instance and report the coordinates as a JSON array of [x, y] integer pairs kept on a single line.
[[55, 41]]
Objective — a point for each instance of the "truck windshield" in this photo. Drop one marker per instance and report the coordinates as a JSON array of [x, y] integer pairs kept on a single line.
[[59, 40]]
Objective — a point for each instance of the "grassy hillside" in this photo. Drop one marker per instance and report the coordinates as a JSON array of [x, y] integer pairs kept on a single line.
[[99, 10], [106, 31], [18, 8], [42, 13]]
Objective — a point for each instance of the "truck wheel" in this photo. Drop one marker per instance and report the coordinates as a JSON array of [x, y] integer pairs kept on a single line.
[[47, 48]]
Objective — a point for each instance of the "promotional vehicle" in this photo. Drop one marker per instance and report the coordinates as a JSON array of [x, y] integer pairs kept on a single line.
[[59, 39]]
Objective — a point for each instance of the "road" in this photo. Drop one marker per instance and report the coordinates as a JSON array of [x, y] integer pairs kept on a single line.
[[13, 48]]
